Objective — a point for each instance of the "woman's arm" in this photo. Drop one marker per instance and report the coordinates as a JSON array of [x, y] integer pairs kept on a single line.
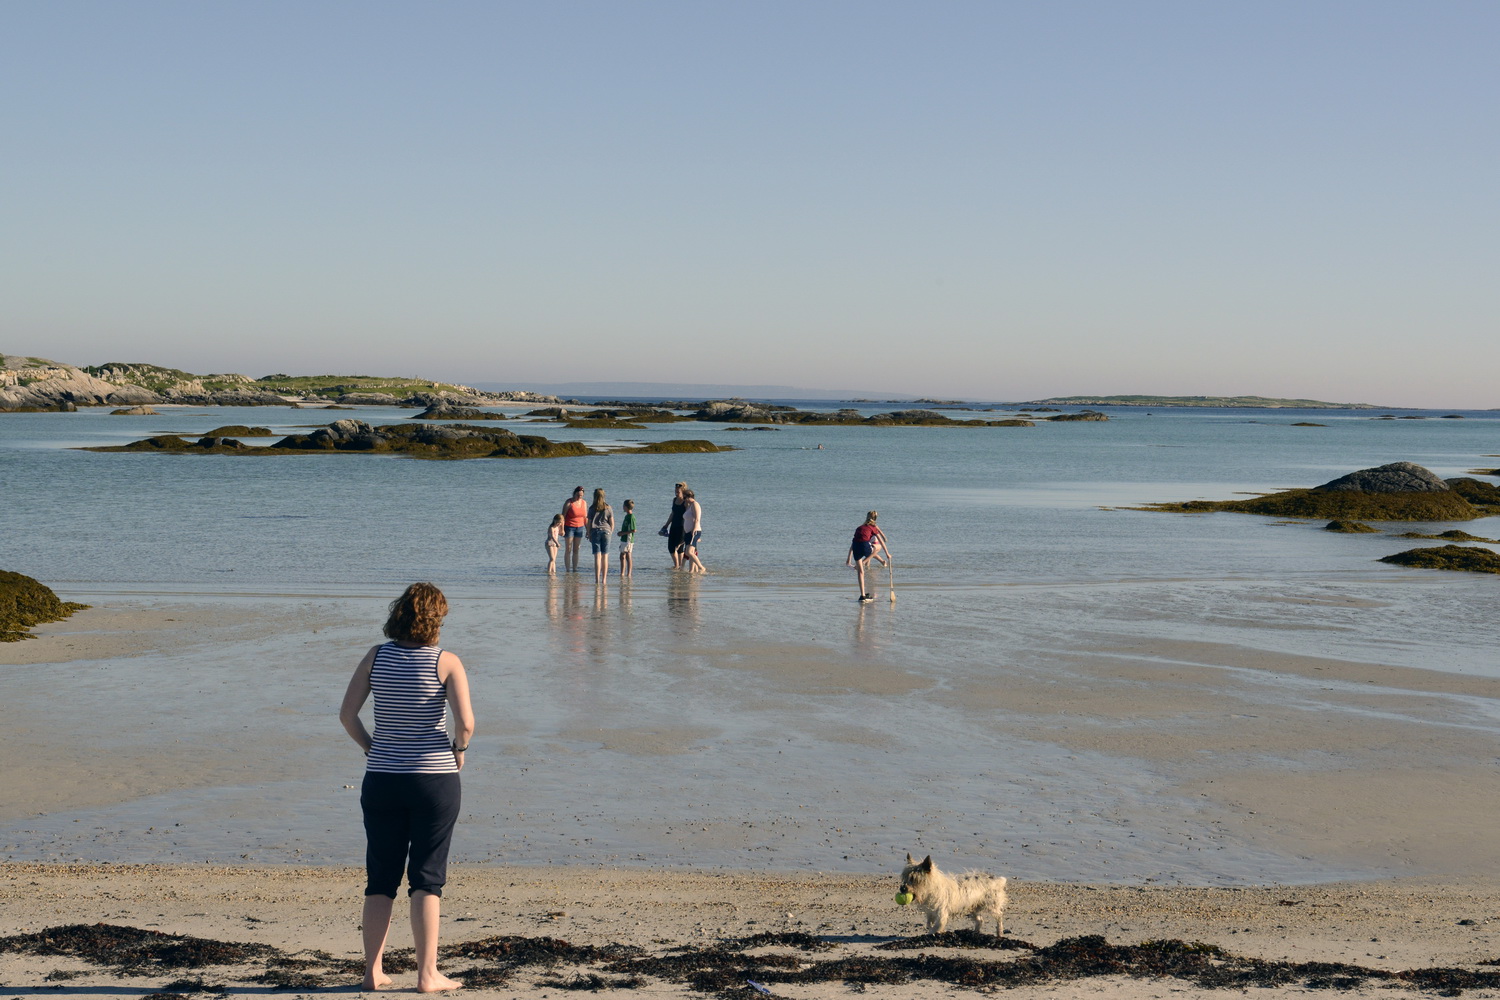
[[451, 673], [355, 697]]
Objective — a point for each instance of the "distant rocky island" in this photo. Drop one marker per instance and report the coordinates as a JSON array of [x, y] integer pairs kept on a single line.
[[31, 383], [1241, 402]]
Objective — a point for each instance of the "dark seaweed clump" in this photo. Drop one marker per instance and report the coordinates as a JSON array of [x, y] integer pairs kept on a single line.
[[1350, 527], [1459, 557], [1478, 493], [240, 431], [24, 602], [723, 968], [134, 951]]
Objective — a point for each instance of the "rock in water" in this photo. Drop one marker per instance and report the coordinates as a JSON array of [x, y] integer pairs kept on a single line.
[[1462, 557], [1398, 477], [24, 602]]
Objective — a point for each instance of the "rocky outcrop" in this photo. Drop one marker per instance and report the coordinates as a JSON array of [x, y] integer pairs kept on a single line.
[[434, 441], [25, 602], [1397, 477], [1080, 415], [447, 411], [1350, 527], [134, 411], [1458, 557], [39, 384], [1400, 491]]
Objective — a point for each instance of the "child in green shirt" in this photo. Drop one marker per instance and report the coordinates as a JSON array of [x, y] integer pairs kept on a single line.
[[627, 541]]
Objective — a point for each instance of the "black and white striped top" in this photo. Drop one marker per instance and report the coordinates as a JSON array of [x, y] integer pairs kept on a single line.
[[411, 712]]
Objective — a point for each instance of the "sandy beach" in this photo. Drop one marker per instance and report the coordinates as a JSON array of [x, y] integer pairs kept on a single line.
[[1409, 796], [678, 934]]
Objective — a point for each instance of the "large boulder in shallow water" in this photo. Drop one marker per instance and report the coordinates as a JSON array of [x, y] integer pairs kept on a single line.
[[1398, 477]]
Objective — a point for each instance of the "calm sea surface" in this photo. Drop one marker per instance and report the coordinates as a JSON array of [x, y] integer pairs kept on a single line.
[[711, 721]]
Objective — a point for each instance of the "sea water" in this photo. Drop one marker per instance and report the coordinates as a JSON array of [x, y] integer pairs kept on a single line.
[[758, 716]]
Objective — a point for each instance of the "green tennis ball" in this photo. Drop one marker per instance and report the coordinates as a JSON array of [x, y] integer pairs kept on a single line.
[[902, 898]]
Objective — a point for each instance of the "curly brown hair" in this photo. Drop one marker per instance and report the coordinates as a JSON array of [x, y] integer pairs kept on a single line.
[[417, 615]]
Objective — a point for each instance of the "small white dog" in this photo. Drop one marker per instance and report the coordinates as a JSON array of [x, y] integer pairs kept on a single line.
[[940, 895]]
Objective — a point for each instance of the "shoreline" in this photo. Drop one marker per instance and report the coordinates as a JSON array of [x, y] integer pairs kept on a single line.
[[1387, 926]]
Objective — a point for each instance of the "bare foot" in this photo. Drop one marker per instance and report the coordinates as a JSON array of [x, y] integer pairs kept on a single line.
[[437, 984], [375, 981]]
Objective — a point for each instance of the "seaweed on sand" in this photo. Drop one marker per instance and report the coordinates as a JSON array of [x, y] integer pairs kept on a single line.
[[724, 967], [134, 951], [1459, 557], [25, 602]]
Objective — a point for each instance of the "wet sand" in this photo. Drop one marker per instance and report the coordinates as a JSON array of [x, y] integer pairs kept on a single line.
[[1403, 789], [1392, 926]]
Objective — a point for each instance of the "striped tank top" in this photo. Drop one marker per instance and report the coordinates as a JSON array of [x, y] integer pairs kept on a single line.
[[411, 712]]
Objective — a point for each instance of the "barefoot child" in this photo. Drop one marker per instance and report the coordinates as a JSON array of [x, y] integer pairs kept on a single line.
[[554, 539], [627, 541]]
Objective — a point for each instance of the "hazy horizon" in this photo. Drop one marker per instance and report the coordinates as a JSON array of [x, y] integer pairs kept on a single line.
[[965, 200]]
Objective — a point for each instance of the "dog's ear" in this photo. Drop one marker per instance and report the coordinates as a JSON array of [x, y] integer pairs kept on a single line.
[[910, 860], [927, 863]]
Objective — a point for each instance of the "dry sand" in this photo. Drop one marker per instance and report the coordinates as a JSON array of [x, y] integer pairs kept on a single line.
[[1390, 926]]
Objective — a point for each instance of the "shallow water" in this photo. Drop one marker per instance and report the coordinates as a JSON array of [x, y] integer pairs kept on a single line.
[[756, 717]]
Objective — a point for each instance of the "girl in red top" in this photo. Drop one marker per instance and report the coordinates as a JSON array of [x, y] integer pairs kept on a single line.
[[869, 541], [575, 514]]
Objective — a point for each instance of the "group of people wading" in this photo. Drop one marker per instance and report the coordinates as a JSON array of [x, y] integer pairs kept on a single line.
[[683, 531], [411, 792]]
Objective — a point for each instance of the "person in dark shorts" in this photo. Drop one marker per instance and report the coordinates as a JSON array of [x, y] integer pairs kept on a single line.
[[411, 793], [673, 528], [869, 542]]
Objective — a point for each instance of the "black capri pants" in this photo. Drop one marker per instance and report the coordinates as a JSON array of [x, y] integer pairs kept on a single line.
[[409, 822]]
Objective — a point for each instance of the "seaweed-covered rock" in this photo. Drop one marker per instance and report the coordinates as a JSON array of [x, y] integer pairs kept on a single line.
[[1459, 557], [1476, 492], [1453, 535], [1397, 477], [739, 411], [678, 447], [1081, 415], [1400, 491], [1350, 527], [134, 411], [25, 602], [240, 431]]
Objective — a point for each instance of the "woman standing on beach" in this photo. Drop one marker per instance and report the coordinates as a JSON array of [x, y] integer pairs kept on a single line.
[[673, 527], [869, 541], [410, 797]]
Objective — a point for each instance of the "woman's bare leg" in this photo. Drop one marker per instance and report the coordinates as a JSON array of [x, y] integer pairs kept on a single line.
[[426, 910], [375, 924]]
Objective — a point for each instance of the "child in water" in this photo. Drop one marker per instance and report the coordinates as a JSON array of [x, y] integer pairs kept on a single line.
[[554, 539], [627, 541]]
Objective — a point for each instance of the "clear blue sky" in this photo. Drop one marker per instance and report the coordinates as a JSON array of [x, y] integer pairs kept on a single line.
[[988, 200]]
